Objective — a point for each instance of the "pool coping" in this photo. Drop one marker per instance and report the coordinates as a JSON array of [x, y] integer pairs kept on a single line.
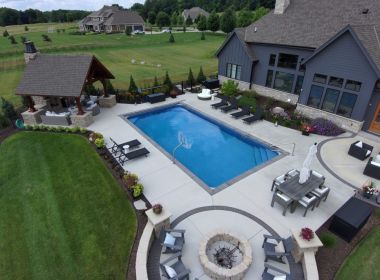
[[211, 191]]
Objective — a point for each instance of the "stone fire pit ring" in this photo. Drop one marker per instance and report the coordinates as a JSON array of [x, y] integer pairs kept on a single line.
[[215, 271]]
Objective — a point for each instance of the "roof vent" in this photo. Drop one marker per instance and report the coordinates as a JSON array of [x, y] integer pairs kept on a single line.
[[255, 29], [365, 11]]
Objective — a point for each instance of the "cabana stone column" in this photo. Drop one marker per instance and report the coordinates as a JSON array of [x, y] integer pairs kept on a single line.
[[104, 83], [79, 105]]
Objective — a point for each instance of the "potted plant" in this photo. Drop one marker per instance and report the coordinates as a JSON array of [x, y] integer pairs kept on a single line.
[[306, 129], [137, 190], [368, 189], [100, 143], [307, 234], [130, 179], [157, 208]]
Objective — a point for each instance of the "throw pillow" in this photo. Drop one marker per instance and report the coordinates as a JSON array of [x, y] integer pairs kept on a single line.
[[377, 158], [359, 144], [169, 239], [279, 248], [280, 277], [170, 271]]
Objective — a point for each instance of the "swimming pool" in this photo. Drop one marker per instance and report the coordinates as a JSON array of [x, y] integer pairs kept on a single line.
[[211, 151]]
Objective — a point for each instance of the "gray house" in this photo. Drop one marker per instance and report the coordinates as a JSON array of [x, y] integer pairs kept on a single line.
[[323, 55], [194, 13], [111, 19]]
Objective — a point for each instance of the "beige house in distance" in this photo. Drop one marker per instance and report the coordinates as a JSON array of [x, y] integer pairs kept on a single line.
[[194, 13]]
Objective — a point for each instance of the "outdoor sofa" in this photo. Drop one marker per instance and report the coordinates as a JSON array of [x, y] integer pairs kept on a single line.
[[173, 268], [51, 118], [360, 150], [172, 240], [372, 169]]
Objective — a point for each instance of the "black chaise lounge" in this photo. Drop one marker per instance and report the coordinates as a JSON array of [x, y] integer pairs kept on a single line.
[[245, 111], [132, 155], [372, 168], [120, 147], [256, 116], [360, 150], [222, 103], [233, 106]]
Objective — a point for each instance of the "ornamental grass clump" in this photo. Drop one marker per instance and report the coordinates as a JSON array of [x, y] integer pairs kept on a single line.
[[325, 127]]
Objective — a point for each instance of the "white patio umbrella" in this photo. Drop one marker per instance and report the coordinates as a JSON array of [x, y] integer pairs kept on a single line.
[[305, 171]]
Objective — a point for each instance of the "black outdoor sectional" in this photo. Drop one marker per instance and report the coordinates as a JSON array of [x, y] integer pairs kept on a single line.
[[360, 150], [372, 169]]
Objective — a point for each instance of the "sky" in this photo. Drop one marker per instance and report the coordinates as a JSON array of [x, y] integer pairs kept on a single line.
[[48, 5]]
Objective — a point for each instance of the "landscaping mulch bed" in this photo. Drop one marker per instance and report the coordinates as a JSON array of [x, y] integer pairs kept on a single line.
[[329, 260], [6, 132]]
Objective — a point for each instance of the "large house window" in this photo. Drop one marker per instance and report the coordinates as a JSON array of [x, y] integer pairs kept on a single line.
[[329, 102], [346, 105], [268, 82], [287, 61], [233, 71], [319, 78], [315, 96], [353, 85], [336, 82], [299, 83], [272, 60], [283, 81]]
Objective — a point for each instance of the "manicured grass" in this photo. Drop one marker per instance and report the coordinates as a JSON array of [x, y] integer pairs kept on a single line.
[[363, 263], [63, 216], [116, 51]]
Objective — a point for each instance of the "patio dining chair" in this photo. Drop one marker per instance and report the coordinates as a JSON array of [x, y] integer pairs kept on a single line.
[[172, 240], [321, 192], [272, 273], [281, 199], [281, 179], [276, 248], [319, 175], [174, 269], [307, 202]]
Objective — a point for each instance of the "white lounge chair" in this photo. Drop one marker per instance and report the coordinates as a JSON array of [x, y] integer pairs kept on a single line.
[[205, 94]]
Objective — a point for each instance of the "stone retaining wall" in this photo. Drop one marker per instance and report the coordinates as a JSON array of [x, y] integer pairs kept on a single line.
[[343, 122], [142, 252]]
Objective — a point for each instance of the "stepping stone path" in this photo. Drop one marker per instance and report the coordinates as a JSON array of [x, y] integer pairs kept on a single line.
[[140, 205]]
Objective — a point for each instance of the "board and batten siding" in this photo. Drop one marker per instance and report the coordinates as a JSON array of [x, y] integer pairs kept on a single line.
[[343, 58], [233, 52]]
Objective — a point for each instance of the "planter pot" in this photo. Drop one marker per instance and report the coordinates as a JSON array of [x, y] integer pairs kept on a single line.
[[157, 210], [305, 133], [367, 195]]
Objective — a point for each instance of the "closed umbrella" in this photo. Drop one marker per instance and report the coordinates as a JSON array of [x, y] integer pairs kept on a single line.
[[305, 171]]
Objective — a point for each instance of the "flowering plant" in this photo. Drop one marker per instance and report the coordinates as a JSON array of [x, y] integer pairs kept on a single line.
[[370, 188], [306, 127], [307, 234], [325, 127]]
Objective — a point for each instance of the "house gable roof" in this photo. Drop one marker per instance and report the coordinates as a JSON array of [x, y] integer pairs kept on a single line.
[[60, 75], [239, 32], [366, 43], [124, 17]]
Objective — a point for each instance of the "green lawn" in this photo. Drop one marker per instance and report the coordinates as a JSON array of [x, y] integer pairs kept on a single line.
[[363, 263], [116, 51], [63, 216]]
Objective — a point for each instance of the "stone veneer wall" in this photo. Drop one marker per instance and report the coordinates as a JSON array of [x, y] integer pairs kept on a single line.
[[264, 91], [343, 122]]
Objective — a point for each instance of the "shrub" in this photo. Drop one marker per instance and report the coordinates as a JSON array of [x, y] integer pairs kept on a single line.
[[3, 121], [328, 240], [201, 76], [203, 37], [171, 38], [23, 39], [137, 190], [12, 39], [76, 129], [229, 88], [247, 101], [325, 127], [68, 129], [132, 86], [5, 33], [128, 31], [269, 102], [82, 130], [8, 109], [110, 89], [130, 179], [190, 77], [46, 38], [95, 135], [168, 83], [26, 28], [100, 143]]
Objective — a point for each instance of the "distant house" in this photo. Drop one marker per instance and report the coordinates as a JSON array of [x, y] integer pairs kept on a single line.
[[323, 55], [194, 13], [111, 19]]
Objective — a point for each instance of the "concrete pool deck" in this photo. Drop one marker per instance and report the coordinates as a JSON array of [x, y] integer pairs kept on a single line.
[[169, 185]]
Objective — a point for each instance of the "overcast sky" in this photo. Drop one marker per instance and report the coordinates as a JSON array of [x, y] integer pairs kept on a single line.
[[47, 5]]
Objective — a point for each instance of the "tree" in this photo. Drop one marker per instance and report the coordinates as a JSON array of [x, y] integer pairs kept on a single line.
[[202, 23], [201, 76], [152, 17], [184, 28], [110, 89], [12, 39], [190, 78], [91, 90], [8, 109], [168, 83], [132, 86], [189, 21], [26, 28], [162, 19], [229, 88], [23, 39], [128, 30], [174, 19], [155, 83], [213, 22], [203, 37], [245, 18], [171, 38], [180, 20], [5, 33], [259, 12], [228, 21]]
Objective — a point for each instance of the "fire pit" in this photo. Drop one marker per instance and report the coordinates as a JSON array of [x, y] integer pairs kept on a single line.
[[224, 255]]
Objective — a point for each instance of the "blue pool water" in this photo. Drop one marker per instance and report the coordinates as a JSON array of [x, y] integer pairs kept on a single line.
[[217, 153]]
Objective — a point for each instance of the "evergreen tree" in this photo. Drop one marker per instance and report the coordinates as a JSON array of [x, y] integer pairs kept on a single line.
[[24, 101], [23, 39], [5, 33], [132, 86], [189, 21], [110, 89], [91, 90], [12, 39], [190, 78], [180, 20], [203, 37], [174, 19], [228, 21], [244, 18], [171, 38], [152, 17], [155, 83], [162, 19], [213, 22], [202, 23], [8, 109], [168, 82], [201, 76], [184, 28], [26, 28], [128, 30]]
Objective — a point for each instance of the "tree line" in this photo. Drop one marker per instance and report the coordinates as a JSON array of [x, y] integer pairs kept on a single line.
[[12, 17]]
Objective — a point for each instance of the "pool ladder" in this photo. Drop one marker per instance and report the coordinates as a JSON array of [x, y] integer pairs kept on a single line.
[[282, 144]]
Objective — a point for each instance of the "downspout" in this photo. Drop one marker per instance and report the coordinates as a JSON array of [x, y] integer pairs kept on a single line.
[[250, 76]]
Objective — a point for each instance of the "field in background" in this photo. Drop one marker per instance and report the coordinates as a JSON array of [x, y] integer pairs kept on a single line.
[[153, 54]]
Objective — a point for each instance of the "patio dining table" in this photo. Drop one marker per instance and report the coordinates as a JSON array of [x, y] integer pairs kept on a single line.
[[296, 191]]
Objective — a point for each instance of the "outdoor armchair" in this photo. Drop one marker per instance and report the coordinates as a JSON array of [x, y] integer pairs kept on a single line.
[[172, 240], [372, 168], [275, 248], [307, 202], [268, 273], [360, 150], [322, 192], [281, 199], [173, 268]]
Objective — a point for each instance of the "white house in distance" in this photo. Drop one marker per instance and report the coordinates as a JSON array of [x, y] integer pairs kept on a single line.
[[111, 19], [194, 13]]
